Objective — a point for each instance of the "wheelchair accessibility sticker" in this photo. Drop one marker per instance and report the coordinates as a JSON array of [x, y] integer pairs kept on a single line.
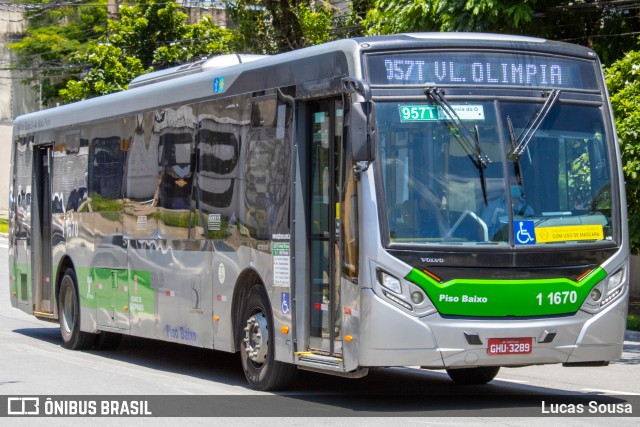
[[285, 304], [524, 232]]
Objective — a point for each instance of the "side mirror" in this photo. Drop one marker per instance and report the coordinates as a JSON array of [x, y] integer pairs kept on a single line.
[[362, 137], [361, 134]]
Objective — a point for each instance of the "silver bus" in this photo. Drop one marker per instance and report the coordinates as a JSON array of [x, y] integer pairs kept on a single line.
[[449, 201]]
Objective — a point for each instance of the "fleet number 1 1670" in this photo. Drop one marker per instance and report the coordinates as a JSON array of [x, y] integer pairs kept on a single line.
[[557, 298]]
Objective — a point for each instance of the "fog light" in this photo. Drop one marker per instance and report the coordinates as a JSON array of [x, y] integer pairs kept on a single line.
[[417, 297], [596, 294]]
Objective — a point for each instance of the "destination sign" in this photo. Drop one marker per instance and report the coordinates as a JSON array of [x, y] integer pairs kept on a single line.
[[481, 69]]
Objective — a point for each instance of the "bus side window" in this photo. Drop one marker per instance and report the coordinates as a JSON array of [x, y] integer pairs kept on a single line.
[[265, 208], [106, 168], [22, 187], [177, 168]]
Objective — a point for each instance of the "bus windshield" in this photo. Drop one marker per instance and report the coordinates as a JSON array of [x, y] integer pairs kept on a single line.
[[519, 173]]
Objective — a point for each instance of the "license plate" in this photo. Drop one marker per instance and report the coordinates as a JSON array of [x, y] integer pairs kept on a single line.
[[498, 346]]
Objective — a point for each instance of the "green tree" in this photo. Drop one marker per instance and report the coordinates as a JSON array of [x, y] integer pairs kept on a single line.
[[315, 23], [608, 27], [397, 16], [199, 40], [623, 80], [274, 26], [148, 35], [55, 32], [393, 16], [156, 32], [486, 15], [108, 71]]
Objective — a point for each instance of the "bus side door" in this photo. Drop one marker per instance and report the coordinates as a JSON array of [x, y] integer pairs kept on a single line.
[[325, 122]]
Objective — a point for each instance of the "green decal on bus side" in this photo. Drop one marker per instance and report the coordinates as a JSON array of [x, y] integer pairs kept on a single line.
[[489, 297], [21, 284], [103, 287]]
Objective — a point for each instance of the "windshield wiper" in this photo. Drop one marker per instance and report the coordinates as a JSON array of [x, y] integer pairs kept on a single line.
[[469, 142], [515, 159], [532, 127]]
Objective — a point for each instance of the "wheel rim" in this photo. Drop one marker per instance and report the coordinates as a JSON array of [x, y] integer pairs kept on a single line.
[[256, 339], [67, 310]]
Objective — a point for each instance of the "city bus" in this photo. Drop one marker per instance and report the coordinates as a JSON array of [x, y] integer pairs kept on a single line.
[[434, 200]]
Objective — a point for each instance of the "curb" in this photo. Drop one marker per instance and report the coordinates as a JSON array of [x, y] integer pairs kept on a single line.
[[632, 336]]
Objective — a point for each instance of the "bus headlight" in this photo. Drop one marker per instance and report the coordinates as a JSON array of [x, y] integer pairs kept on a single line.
[[389, 282], [606, 291], [614, 288], [401, 293]]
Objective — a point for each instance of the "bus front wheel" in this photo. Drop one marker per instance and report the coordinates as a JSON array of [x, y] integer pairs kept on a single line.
[[257, 348], [470, 376], [69, 314]]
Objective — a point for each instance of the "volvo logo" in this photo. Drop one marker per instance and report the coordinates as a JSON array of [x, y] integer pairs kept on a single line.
[[433, 260]]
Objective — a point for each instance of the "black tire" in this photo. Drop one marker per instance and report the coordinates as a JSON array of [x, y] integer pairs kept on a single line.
[[69, 314], [473, 376], [108, 341], [256, 353]]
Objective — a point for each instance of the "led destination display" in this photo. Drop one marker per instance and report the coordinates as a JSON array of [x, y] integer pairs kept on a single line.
[[480, 69]]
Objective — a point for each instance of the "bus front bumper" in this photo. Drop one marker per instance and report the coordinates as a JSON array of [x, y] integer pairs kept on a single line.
[[391, 337]]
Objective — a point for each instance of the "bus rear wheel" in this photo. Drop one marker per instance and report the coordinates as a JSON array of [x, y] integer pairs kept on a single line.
[[69, 314], [471, 376], [257, 349]]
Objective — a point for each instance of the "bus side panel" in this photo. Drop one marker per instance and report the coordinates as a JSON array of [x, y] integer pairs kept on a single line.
[[169, 291], [22, 275], [72, 222], [227, 258], [80, 247], [168, 283], [265, 207], [20, 216], [105, 282]]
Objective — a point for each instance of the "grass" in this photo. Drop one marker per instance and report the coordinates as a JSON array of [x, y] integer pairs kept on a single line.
[[4, 225], [633, 322]]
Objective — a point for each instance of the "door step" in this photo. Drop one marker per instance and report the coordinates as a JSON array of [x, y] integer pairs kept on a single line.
[[326, 364], [45, 315], [319, 361]]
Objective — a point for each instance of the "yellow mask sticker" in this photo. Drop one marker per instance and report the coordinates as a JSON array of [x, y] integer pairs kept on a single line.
[[569, 233]]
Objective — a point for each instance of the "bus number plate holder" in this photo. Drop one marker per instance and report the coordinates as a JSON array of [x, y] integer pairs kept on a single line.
[[500, 346]]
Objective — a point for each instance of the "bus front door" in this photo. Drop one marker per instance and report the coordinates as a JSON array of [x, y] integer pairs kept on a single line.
[[41, 230], [324, 228]]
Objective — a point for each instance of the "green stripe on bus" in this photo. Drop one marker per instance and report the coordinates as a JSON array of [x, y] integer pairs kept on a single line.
[[501, 298]]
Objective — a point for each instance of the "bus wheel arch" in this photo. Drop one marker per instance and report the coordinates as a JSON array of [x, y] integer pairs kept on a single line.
[[245, 282], [255, 339], [64, 264], [69, 313]]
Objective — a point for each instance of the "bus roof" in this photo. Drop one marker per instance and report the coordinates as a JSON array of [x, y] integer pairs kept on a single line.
[[320, 62]]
